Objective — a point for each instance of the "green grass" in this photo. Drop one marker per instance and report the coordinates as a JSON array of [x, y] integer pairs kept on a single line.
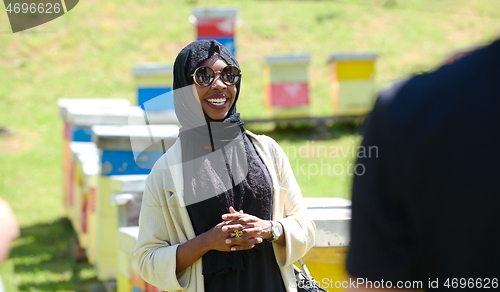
[[90, 51], [40, 261]]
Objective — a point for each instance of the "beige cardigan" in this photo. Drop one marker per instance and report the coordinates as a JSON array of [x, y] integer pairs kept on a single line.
[[164, 221]]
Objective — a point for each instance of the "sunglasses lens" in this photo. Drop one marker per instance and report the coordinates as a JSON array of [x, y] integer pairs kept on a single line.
[[204, 76], [231, 75]]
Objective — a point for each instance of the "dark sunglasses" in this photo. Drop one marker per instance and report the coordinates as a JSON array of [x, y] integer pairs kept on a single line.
[[205, 76]]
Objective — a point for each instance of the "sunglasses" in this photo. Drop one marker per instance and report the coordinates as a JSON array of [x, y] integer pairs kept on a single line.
[[205, 76]]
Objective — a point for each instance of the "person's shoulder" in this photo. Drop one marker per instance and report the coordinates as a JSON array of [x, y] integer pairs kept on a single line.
[[405, 96], [258, 137], [263, 140]]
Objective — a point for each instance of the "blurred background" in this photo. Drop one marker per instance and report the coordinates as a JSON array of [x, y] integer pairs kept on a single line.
[[90, 51]]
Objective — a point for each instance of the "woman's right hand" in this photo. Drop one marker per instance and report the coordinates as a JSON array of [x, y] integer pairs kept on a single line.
[[218, 239]]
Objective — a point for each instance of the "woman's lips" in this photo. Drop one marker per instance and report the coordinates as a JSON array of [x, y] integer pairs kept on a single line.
[[217, 101]]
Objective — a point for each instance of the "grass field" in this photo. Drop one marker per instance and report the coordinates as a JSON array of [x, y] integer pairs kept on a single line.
[[90, 51]]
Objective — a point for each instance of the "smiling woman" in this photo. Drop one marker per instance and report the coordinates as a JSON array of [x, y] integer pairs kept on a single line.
[[216, 95], [191, 236]]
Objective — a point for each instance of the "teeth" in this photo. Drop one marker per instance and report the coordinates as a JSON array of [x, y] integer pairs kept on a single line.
[[217, 101]]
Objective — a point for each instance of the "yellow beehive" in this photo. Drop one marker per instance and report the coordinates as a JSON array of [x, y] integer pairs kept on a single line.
[[123, 284], [127, 238], [124, 151], [326, 260], [85, 159], [127, 196], [352, 80]]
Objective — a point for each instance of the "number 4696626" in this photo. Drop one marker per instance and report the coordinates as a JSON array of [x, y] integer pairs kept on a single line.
[[33, 8], [471, 283]]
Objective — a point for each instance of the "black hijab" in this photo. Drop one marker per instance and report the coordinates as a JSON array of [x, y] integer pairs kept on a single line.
[[200, 135], [187, 110], [220, 166]]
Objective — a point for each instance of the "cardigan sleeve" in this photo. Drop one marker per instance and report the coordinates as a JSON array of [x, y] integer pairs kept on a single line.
[[154, 253], [299, 229]]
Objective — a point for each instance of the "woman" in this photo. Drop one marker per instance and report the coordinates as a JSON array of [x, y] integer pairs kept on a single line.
[[221, 209]]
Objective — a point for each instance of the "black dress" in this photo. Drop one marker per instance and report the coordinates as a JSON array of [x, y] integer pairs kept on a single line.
[[261, 274], [249, 270]]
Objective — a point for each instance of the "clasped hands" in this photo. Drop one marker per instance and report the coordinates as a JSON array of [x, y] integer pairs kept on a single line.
[[239, 231]]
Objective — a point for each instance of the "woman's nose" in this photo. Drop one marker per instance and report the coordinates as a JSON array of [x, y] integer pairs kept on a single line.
[[218, 83]]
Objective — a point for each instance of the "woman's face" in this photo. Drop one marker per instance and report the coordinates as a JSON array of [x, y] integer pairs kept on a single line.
[[216, 99]]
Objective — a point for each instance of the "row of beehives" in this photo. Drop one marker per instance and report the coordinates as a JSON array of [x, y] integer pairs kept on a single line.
[[286, 76], [352, 82], [109, 148]]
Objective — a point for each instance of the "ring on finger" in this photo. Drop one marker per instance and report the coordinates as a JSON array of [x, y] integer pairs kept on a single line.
[[236, 233]]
